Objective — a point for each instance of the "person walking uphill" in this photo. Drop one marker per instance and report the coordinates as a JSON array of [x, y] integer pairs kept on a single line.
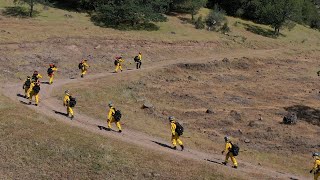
[[316, 168], [26, 86], [118, 63], [138, 60], [52, 68], [34, 91], [114, 116], [232, 151], [70, 102], [176, 132], [83, 66]]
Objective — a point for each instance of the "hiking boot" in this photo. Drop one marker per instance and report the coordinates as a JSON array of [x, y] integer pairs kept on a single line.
[[29, 103], [224, 163], [235, 167], [36, 104], [120, 131], [182, 147], [81, 75], [174, 148], [72, 117]]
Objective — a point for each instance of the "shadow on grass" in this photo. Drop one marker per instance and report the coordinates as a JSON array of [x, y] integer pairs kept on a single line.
[[18, 11], [213, 161], [25, 103], [45, 82], [261, 31], [126, 26], [20, 95], [104, 128], [162, 144], [61, 113], [186, 20], [306, 113]]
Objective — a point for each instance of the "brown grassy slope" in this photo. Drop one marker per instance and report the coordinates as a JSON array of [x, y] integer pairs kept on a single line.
[[247, 85], [36, 147], [31, 44]]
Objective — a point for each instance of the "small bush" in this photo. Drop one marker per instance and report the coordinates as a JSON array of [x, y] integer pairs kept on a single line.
[[199, 24], [315, 23], [225, 28], [215, 19]]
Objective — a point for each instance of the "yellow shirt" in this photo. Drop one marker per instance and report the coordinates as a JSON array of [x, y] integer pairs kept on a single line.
[[66, 99], [31, 87], [120, 61], [173, 127], [38, 76], [85, 66], [316, 164], [111, 113], [140, 57], [228, 147]]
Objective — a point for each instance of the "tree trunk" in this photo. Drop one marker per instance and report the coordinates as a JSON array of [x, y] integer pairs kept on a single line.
[[276, 31], [31, 8]]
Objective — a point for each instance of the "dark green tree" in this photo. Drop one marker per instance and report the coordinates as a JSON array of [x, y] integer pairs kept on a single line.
[[117, 13], [188, 6], [30, 3], [277, 13]]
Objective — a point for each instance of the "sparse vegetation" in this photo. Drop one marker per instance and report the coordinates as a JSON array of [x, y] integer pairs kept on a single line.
[[186, 71]]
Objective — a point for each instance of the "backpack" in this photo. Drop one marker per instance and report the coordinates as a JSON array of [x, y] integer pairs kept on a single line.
[[34, 77], [179, 129], [72, 101], [36, 89], [136, 59], [116, 62], [234, 149], [49, 71], [80, 66], [27, 83], [117, 115]]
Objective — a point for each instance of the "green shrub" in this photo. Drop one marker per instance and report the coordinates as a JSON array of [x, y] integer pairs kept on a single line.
[[199, 24], [225, 28], [215, 19]]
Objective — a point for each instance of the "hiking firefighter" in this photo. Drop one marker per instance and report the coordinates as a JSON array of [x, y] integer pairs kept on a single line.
[[176, 132], [114, 116], [36, 76], [230, 152], [138, 60], [51, 70], [83, 66], [69, 102], [316, 168], [26, 86], [118, 63], [34, 91]]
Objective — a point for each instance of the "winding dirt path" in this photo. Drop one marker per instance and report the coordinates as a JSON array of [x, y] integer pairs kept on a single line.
[[53, 108]]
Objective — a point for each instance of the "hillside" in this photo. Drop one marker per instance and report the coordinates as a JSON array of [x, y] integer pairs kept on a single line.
[[240, 76]]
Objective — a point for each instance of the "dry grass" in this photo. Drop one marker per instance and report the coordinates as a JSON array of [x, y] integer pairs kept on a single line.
[[249, 86], [37, 147]]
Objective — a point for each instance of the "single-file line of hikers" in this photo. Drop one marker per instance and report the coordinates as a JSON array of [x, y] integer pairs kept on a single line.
[[32, 89]]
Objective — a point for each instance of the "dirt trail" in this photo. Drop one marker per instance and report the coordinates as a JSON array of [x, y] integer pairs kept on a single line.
[[53, 108]]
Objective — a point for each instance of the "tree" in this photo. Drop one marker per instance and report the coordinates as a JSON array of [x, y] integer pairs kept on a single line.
[[30, 3], [116, 13], [277, 13], [189, 6]]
